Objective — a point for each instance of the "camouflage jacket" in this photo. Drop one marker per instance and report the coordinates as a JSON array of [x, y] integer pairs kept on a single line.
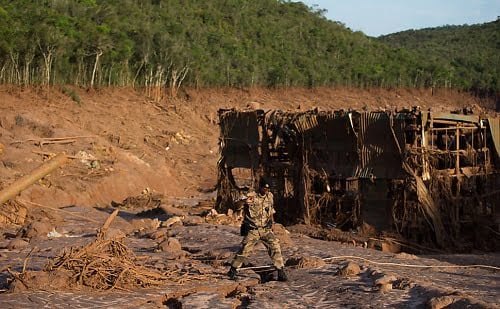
[[258, 214]]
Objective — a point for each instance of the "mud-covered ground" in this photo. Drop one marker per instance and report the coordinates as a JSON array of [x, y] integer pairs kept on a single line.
[[126, 147], [318, 272]]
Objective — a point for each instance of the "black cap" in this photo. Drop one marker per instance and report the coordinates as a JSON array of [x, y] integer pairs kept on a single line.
[[263, 183]]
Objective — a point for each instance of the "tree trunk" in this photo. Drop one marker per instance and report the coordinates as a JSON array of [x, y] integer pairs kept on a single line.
[[94, 70], [28, 59], [16, 79], [176, 79]]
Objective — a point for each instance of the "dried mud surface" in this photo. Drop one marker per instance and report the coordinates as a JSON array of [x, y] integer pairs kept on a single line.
[[156, 162]]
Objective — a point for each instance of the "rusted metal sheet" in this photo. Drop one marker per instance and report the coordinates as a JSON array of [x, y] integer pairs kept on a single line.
[[494, 125], [380, 156], [455, 117], [332, 145], [239, 138]]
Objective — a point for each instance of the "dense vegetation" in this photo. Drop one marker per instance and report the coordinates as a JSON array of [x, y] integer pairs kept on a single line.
[[235, 43], [467, 57]]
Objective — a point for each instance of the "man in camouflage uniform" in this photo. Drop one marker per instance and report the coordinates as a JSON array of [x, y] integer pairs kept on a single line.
[[256, 226]]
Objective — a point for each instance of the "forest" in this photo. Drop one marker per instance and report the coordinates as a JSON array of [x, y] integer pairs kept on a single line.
[[466, 55], [230, 43]]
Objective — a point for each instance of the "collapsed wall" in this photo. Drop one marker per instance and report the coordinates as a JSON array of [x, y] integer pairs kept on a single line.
[[429, 177]]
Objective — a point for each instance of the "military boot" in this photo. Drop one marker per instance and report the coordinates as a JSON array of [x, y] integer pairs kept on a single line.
[[282, 276], [232, 273]]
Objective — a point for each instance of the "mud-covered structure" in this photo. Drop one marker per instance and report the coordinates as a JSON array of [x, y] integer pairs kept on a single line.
[[426, 176]]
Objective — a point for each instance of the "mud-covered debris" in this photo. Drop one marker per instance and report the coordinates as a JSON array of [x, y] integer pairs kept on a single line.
[[158, 234], [88, 159], [403, 284], [49, 280], [283, 234], [305, 262], [104, 264], [230, 218], [193, 220], [350, 269], [384, 282], [36, 229], [214, 218], [388, 246], [114, 233], [13, 212], [457, 300], [173, 211], [54, 234], [332, 234], [212, 213], [145, 225], [147, 200], [171, 249], [383, 288], [385, 279], [173, 221], [151, 213], [442, 301], [215, 258], [17, 243], [405, 256], [170, 245]]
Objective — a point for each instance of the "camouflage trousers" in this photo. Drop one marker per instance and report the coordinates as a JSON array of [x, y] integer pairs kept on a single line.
[[268, 239]]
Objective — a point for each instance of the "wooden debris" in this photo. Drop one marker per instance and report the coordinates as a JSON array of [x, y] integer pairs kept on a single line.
[[24, 182], [13, 213], [102, 231], [52, 140], [105, 264]]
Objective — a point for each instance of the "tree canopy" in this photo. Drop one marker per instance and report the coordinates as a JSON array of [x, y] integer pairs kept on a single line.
[[236, 43], [466, 57]]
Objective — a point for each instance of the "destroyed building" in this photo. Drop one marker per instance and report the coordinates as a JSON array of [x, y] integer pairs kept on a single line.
[[428, 177]]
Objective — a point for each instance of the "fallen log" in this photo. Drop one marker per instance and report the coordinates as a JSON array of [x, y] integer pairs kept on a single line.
[[27, 180]]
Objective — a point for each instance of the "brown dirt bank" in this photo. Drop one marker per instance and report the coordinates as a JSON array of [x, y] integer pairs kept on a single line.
[[123, 142]]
